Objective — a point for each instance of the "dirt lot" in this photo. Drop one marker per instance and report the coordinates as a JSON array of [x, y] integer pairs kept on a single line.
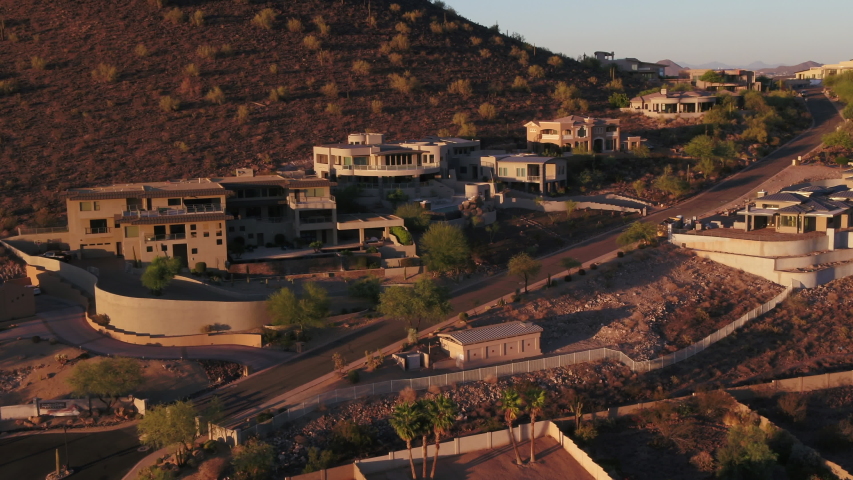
[[499, 464], [29, 370], [649, 303]]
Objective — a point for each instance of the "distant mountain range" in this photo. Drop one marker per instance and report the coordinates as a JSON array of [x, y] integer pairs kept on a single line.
[[761, 68]]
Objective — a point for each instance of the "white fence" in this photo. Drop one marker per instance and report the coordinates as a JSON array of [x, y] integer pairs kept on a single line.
[[423, 383]]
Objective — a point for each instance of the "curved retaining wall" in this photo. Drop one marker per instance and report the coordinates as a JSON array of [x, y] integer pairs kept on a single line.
[[766, 268], [152, 316], [752, 248]]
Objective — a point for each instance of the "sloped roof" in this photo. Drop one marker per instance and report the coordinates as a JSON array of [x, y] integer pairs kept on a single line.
[[783, 197], [846, 194], [492, 332], [816, 205]]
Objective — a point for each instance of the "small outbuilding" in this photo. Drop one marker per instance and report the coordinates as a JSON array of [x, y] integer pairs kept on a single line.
[[493, 343]]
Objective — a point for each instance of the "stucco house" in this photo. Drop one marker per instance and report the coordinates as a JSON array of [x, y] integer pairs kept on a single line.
[[493, 343], [591, 134], [819, 73], [633, 66], [800, 210], [733, 80], [669, 104]]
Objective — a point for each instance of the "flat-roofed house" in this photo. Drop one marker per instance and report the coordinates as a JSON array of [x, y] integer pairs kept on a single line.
[[567, 133], [527, 172], [810, 209], [493, 343], [665, 104]]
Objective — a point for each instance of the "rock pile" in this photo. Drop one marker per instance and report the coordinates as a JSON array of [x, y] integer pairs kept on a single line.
[[221, 372], [12, 379]]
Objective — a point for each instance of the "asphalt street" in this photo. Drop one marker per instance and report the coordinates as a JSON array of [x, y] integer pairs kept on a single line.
[[94, 456]]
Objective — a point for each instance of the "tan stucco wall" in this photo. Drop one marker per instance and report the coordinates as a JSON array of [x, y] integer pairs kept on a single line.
[[245, 339], [499, 350], [752, 247]]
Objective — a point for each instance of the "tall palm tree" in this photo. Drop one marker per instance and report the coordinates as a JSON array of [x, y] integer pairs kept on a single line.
[[536, 400], [404, 420], [512, 408], [424, 428], [442, 415]]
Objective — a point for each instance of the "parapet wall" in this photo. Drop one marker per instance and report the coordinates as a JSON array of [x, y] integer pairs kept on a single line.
[[754, 248]]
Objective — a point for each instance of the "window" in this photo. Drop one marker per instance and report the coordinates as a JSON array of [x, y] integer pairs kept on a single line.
[[770, 205], [360, 160], [337, 159], [219, 241], [195, 251], [206, 234], [347, 160], [219, 233], [164, 247], [230, 230], [131, 232], [598, 130], [97, 206], [322, 158], [502, 172], [149, 249], [85, 206], [251, 235], [173, 202], [582, 132], [520, 172], [192, 226], [788, 221], [242, 229], [463, 169]]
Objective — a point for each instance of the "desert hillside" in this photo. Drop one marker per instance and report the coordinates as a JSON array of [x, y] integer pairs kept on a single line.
[[95, 92]]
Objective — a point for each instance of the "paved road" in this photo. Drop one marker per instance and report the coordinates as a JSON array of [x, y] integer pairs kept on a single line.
[[826, 119], [99, 456]]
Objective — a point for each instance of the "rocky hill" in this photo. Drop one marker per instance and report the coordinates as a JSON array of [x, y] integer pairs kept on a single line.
[[783, 70], [95, 92]]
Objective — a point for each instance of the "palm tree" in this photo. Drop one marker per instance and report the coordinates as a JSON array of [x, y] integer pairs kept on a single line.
[[404, 420], [442, 414], [424, 428], [512, 408], [536, 400]]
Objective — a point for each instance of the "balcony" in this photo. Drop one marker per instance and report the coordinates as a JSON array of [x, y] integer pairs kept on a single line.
[[315, 220], [97, 230], [165, 237], [551, 137], [169, 212], [533, 178], [311, 202]]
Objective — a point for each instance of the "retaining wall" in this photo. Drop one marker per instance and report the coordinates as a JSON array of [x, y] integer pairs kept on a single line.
[[753, 248], [766, 268]]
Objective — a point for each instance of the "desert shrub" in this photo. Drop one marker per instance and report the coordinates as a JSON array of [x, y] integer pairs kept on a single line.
[[520, 85], [197, 18], [488, 111], [467, 130], [436, 28], [206, 51], [264, 416], [371, 21], [333, 109], [200, 267], [140, 51], [319, 460], [215, 95], [8, 86], [414, 15], [403, 235], [360, 67], [294, 25], [394, 7], [330, 90], [713, 403], [703, 461], [555, 61], [321, 25], [485, 53], [325, 57], [463, 316], [564, 92], [154, 472], [38, 63], [242, 114], [403, 84], [407, 395], [567, 278], [35, 339], [226, 50], [265, 19], [794, 406], [191, 70], [175, 16], [746, 454], [395, 59], [311, 42], [581, 271], [403, 28], [105, 73], [460, 87], [353, 376], [586, 432], [169, 104], [535, 71], [400, 42], [460, 118], [278, 94], [619, 100], [376, 106]]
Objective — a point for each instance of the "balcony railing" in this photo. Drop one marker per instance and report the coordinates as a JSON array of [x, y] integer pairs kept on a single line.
[[315, 220], [37, 231], [97, 230], [312, 202], [387, 167], [165, 237], [166, 212]]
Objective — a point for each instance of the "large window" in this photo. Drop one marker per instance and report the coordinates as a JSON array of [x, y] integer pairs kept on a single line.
[[788, 221], [322, 158], [582, 132], [502, 172], [173, 202], [131, 232], [520, 172], [85, 206]]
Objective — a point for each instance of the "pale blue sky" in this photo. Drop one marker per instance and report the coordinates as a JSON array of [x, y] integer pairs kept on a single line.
[[736, 32]]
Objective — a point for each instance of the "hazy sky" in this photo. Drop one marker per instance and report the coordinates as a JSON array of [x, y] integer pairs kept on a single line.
[[736, 32]]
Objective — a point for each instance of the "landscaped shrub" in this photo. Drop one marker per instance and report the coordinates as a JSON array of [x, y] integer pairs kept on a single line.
[[620, 254], [200, 267], [460, 87], [264, 416], [403, 235], [35, 339], [265, 19], [105, 73], [294, 25], [278, 94], [101, 319], [169, 104], [567, 278], [463, 316], [215, 95], [353, 376], [581, 272]]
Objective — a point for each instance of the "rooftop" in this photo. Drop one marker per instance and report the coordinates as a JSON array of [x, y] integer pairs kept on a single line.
[[192, 187], [523, 159], [491, 332], [577, 120]]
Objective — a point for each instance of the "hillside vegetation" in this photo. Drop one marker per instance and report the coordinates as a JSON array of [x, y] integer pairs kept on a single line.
[[95, 92]]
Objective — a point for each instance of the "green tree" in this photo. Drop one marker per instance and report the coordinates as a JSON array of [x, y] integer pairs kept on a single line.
[[524, 266], [571, 206], [671, 184], [397, 197], [405, 420], [712, 76], [109, 377], [569, 263], [718, 115], [637, 232], [154, 472], [839, 138], [445, 249], [535, 401], [493, 230], [639, 187], [707, 166], [746, 454], [619, 100], [414, 216], [160, 273], [441, 414], [308, 310], [367, 288], [253, 460], [170, 425], [346, 199], [425, 301], [511, 404], [642, 151], [701, 146]]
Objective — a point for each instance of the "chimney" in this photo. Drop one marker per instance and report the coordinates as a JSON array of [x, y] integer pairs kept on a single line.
[[663, 91], [761, 193], [245, 172]]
